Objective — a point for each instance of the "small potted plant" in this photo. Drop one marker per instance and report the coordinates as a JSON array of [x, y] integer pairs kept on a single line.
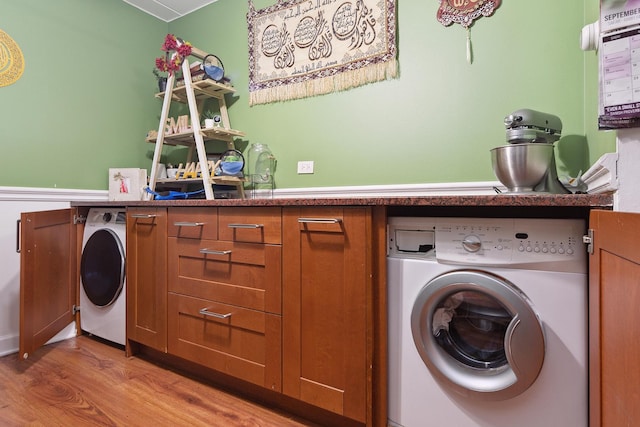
[[162, 80], [211, 119]]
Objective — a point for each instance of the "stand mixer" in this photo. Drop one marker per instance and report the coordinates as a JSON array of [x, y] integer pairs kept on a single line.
[[527, 163]]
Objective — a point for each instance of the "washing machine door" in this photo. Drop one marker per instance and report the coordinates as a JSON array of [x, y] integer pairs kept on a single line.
[[478, 334], [102, 267]]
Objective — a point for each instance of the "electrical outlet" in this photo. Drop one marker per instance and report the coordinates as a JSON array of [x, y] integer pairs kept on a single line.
[[305, 166]]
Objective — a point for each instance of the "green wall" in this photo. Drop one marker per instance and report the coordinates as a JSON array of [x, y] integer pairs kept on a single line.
[[86, 99]]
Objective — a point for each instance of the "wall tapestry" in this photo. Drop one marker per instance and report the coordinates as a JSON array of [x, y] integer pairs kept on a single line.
[[301, 48], [11, 60]]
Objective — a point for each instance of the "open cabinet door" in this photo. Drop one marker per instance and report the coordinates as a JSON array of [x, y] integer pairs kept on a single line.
[[614, 319], [48, 276]]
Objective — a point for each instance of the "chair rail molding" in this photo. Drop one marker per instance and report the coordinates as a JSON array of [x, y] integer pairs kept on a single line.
[[51, 194]]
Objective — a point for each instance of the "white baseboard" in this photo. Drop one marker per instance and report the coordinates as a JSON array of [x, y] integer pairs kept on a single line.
[[8, 344]]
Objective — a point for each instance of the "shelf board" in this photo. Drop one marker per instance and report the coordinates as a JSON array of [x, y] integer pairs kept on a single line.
[[201, 89], [224, 180], [209, 134]]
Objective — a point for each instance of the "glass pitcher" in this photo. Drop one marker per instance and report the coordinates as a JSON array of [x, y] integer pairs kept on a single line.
[[261, 165]]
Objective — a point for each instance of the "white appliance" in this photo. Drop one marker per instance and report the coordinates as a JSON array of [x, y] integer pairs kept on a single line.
[[102, 275], [487, 322]]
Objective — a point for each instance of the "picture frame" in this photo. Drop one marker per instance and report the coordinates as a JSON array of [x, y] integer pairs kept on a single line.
[[127, 183]]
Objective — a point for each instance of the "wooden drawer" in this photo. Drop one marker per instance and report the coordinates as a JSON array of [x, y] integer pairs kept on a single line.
[[193, 223], [243, 343], [242, 274], [249, 224]]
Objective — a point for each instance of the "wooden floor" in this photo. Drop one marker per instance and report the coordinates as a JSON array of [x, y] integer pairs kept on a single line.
[[82, 381]]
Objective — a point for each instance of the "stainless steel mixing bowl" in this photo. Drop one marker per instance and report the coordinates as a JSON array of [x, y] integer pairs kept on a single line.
[[520, 167]]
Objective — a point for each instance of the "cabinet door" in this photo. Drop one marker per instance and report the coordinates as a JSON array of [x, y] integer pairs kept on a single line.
[[48, 276], [614, 334], [147, 277], [326, 308]]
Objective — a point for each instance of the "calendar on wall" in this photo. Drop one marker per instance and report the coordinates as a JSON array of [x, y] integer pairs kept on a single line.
[[619, 63]]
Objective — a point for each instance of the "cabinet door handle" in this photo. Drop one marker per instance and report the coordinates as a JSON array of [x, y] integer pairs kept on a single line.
[[319, 220], [189, 224], [18, 229], [206, 312], [214, 252], [143, 216], [245, 225]]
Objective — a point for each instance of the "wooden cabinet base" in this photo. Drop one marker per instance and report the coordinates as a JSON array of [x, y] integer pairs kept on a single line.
[[272, 400], [285, 304]]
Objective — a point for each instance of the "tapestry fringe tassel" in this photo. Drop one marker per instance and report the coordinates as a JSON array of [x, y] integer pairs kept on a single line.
[[321, 86]]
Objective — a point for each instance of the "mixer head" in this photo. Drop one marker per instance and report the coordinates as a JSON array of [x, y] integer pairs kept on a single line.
[[527, 125]]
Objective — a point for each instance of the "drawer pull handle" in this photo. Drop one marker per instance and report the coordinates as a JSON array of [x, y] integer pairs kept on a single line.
[[206, 312], [214, 252], [188, 224], [245, 225], [146, 216], [319, 220]]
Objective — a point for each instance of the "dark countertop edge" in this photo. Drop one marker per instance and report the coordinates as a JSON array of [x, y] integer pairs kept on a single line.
[[533, 200]]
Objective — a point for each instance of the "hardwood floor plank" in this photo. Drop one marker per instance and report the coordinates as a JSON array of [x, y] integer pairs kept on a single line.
[[83, 381]]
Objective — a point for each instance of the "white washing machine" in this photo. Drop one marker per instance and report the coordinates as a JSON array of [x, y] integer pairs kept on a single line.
[[487, 322], [102, 275]]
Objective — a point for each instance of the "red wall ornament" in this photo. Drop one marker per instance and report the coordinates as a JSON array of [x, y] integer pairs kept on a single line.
[[464, 12]]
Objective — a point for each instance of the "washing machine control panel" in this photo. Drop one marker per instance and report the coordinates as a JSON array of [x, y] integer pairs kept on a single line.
[[98, 217], [549, 244]]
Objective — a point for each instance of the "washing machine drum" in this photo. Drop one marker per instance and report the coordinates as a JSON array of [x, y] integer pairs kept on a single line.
[[102, 267], [478, 334]]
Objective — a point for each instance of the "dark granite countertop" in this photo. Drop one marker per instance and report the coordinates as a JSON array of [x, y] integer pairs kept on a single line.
[[604, 201]]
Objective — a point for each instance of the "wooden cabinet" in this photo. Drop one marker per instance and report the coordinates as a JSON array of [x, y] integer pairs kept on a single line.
[[614, 335], [327, 309], [147, 277], [289, 299], [225, 291]]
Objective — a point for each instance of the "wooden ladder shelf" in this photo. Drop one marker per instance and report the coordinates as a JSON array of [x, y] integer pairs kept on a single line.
[[194, 94]]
